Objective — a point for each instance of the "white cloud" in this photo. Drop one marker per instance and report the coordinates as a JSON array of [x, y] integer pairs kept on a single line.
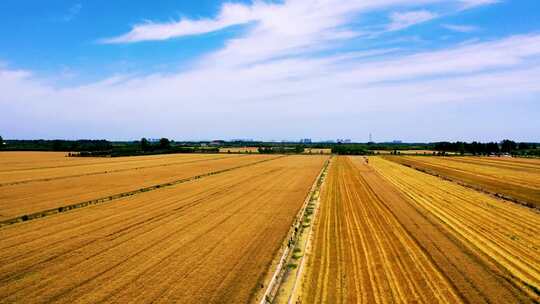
[[290, 18], [188, 104], [466, 4], [461, 28], [268, 78], [231, 14], [401, 20]]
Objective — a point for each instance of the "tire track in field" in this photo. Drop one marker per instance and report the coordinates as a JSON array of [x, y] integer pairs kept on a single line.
[[381, 262], [145, 223], [113, 197], [46, 179], [509, 184], [170, 253], [497, 236], [134, 235]]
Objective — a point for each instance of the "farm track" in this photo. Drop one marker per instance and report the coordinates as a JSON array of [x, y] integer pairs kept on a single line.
[[363, 254], [28, 199], [206, 241], [514, 180], [503, 237]]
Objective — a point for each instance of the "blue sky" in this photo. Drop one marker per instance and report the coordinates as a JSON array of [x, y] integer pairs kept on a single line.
[[414, 70]]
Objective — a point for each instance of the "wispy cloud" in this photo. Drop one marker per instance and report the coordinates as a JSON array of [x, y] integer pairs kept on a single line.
[[230, 14], [401, 20], [290, 18], [461, 28], [73, 11], [466, 4]]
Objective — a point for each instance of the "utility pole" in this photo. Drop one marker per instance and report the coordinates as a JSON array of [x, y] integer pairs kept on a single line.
[[370, 138]]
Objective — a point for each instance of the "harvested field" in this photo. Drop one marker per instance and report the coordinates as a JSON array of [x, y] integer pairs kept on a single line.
[[239, 150], [93, 166], [317, 151], [516, 179], [407, 152], [205, 241], [503, 236], [73, 184], [389, 234], [362, 253]]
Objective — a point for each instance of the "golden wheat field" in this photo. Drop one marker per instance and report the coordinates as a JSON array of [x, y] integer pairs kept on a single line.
[[221, 228], [209, 240], [38, 189], [239, 150], [515, 179], [390, 234]]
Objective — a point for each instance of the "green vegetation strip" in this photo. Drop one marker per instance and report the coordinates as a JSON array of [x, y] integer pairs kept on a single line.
[[291, 254], [41, 214]]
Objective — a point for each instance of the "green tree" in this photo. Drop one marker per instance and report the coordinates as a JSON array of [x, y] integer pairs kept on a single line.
[[1, 142], [508, 146], [145, 145], [164, 143]]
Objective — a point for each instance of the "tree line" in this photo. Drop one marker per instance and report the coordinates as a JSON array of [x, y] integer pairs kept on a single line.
[[490, 148]]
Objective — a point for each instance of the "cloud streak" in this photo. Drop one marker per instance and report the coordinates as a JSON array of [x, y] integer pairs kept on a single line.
[[230, 14], [461, 28], [406, 19]]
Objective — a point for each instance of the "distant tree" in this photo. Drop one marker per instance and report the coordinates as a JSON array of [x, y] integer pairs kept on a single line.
[[521, 145], [507, 146], [145, 145], [164, 143], [1, 142], [492, 147]]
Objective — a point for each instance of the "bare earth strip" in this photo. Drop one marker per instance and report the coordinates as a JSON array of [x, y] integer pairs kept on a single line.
[[503, 238], [516, 180], [207, 241], [21, 199], [363, 254]]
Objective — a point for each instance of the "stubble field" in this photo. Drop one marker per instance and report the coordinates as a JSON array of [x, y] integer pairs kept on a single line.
[[210, 240], [391, 234], [209, 229], [516, 179], [63, 182]]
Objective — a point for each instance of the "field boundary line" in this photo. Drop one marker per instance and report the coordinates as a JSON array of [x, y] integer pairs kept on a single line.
[[61, 209], [473, 187], [47, 179], [299, 277], [291, 239]]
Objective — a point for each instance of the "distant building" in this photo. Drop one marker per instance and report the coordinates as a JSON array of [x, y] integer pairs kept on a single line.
[[343, 141], [305, 140], [397, 142]]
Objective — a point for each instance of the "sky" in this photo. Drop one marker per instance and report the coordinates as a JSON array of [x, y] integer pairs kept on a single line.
[[410, 70]]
